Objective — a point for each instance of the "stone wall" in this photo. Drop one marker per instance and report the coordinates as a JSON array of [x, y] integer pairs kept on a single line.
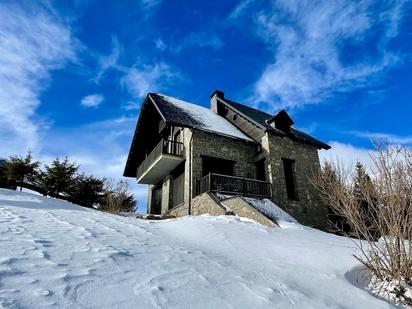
[[242, 209], [308, 208], [179, 211], [205, 203], [217, 146]]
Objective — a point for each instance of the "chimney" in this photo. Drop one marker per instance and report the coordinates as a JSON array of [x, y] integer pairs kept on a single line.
[[213, 99]]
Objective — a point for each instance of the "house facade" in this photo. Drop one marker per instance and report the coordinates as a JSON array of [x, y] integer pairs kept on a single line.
[[198, 160]]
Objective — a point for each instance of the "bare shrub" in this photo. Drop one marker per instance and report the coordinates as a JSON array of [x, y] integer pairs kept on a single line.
[[387, 215], [117, 198]]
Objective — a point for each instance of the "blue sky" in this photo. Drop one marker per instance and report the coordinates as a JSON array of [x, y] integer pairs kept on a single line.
[[73, 74]]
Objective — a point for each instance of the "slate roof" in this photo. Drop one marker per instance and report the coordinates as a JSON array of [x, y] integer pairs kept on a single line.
[[185, 114], [260, 118]]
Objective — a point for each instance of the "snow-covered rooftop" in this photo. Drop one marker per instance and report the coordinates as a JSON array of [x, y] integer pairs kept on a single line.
[[192, 115]]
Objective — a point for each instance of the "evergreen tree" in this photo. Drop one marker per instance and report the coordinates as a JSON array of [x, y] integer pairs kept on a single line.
[[58, 177], [337, 223], [86, 190], [328, 172], [3, 177], [361, 180], [22, 169], [363, 191]]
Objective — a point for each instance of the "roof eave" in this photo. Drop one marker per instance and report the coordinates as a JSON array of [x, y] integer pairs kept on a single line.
[[242, 114], [126, 172]]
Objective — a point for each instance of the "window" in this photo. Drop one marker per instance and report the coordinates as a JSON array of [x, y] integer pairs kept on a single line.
[[260, 172], [177, 136], [156, 206], [178, 185], [289, 168], [217, 166]]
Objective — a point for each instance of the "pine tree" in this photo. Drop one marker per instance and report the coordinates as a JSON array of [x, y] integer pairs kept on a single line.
[[58, 177], [22, 169], [360, 180], [3, 177], [328, 172], [363, 191], [86, 190], [337, 222]]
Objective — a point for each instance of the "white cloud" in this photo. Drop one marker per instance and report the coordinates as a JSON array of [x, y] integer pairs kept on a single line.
[[240, 9], [33, 42], [131, 106], [198, 39], [347, 154], [391, 138], [110, 61], [310, 40], [160, 44], [139, 80], [148, 5], [93, 100]]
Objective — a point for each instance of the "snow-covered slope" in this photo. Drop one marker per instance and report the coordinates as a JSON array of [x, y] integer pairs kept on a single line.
[[56, 253]]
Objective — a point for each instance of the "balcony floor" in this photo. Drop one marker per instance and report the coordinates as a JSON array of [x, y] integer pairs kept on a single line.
[[160, 168]]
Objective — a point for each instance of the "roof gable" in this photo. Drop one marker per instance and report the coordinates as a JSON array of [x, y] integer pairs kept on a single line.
[[185, 114], [263, 120]]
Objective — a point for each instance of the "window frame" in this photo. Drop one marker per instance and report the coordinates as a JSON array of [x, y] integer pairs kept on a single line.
[[289, 170]]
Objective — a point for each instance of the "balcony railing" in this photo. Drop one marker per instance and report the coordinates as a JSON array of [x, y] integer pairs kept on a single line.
[[165, 147], [233, 185]]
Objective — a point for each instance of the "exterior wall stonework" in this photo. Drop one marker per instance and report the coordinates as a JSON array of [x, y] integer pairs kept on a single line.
[[205, 204], [243, 209], [308, 208], [179, 211], [207, 144]]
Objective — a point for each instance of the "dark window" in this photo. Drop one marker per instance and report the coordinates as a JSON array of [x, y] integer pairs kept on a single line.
[[156, 200], [178, 185], [260, 171], [217, 166], [289, 168], [177, 136]]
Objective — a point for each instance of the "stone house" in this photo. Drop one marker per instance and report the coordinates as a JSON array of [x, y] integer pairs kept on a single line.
[[229, 159]]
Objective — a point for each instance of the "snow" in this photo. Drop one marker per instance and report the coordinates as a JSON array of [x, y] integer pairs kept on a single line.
[[211, 121], [268, 208], [29, 191], [53, 253]]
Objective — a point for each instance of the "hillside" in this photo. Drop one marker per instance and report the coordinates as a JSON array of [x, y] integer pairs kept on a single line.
[[56, 253]]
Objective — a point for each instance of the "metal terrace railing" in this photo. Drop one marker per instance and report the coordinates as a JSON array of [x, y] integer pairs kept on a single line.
[[233, 185], [165, 147]]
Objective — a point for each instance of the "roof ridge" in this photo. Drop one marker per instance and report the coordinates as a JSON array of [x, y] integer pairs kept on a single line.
[[247, 106]]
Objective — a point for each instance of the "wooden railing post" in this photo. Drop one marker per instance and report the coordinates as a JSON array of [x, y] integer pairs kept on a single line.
[[243, 189]]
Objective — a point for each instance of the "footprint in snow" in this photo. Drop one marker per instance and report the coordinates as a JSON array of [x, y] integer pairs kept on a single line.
[[43, 292]]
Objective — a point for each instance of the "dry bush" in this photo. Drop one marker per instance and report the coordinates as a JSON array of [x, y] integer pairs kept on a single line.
[[117, 198], [388, 215]]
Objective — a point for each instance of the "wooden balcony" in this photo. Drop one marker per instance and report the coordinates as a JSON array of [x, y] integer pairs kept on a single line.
[[160, 162], [233, 186]]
